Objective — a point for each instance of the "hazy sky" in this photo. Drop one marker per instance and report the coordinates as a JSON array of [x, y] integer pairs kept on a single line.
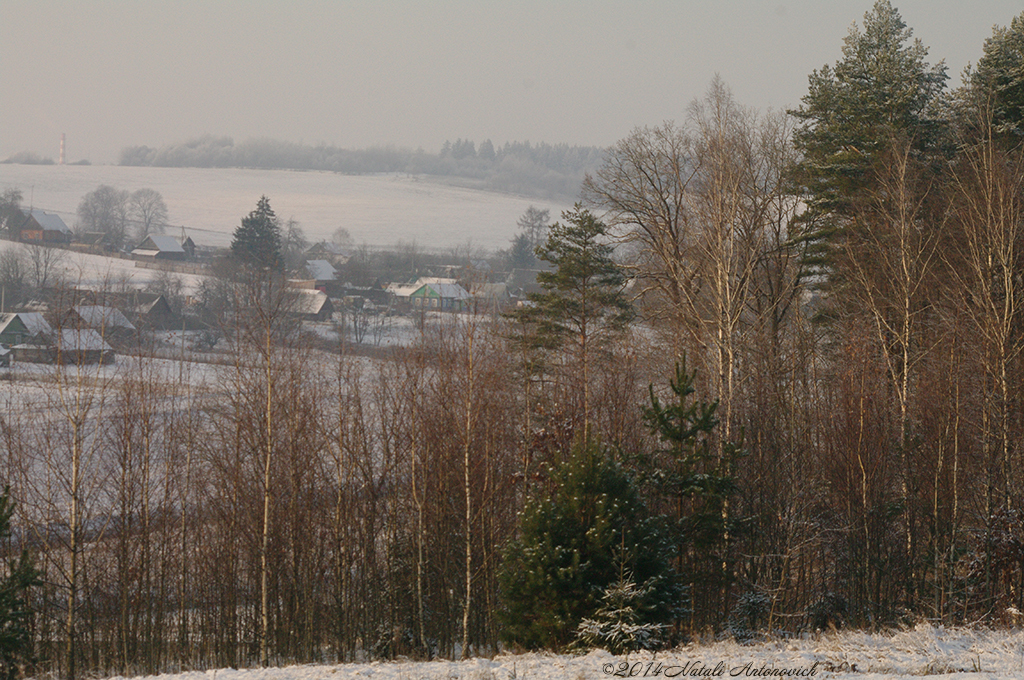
[[356, 73]]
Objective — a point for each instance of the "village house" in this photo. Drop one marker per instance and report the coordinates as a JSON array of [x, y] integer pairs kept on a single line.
[[312, 305], [321, 272], [446, 297], [81, 346], [161, 247], [23, 327], [489, 297], [103, 319], [325, 250], [37, 226]]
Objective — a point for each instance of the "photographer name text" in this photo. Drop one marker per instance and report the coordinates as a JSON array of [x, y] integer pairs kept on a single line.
[[699, 669]]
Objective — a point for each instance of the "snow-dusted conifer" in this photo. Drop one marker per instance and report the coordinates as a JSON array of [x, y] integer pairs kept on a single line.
[[622, 623]]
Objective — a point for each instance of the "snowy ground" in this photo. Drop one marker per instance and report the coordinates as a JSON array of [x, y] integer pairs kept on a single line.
[[921, 652], [84, 270]]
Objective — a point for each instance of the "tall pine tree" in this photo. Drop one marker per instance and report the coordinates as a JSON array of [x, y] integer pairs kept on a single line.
[[1000, 72], [583, 303], [882, 88]]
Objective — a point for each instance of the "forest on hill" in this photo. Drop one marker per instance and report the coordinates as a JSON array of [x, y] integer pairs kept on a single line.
[[543, 170]]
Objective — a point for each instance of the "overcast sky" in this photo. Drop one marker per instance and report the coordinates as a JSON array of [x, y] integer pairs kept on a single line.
[[357, 73]]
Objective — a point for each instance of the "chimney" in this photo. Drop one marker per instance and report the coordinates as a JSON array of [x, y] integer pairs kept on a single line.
[[62, 136]]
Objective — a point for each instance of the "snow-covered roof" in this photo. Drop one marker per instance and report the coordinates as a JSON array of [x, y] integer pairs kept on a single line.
[[6, 320], [321, 270], [310, 301], [403, 290], [448, 291], [97, 316], [35, 322], [71, 339], [160, 243], [50, 222]]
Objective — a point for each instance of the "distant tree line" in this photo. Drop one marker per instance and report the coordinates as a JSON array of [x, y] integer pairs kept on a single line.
[[543, 170]]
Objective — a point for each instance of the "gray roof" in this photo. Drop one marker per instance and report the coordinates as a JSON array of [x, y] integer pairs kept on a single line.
[[161, 243], [321, 270], [50, 222], [97, 316], [81, 339], [34, 322]]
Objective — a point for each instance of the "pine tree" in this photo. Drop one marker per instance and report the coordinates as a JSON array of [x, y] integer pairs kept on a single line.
[[575, 543], [257, 242], [1001, 72], [583, 304], [882, 88], [583, 295], [694, 482], [21, 576]]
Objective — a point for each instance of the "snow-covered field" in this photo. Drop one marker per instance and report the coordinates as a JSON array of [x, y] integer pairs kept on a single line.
[[920, 652], [83, 270], [377, 210]]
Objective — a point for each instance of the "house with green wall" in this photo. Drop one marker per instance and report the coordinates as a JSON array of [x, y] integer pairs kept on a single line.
[[22, 327], [445, 297]]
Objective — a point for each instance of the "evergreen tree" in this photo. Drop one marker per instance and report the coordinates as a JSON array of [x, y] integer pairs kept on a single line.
[[1000, 71], [881, 89], [20, 576], [521, 255], [583, 303], [619, 624], [257, 242], [693, 483], [577, 542]]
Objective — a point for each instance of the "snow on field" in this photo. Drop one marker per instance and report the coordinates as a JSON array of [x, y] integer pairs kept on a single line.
[[921, 652], [379, 210], [83, 270]]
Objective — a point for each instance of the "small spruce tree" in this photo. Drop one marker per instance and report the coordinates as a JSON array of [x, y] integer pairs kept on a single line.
[[620, 624]]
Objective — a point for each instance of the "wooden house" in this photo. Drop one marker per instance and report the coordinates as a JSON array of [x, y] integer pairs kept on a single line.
[[321, 272], [82, 346], [23, 327], [447, 297], [325, 250], [37, 226], [490, 297], [160, 247], [102, 318], [312, 305]]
